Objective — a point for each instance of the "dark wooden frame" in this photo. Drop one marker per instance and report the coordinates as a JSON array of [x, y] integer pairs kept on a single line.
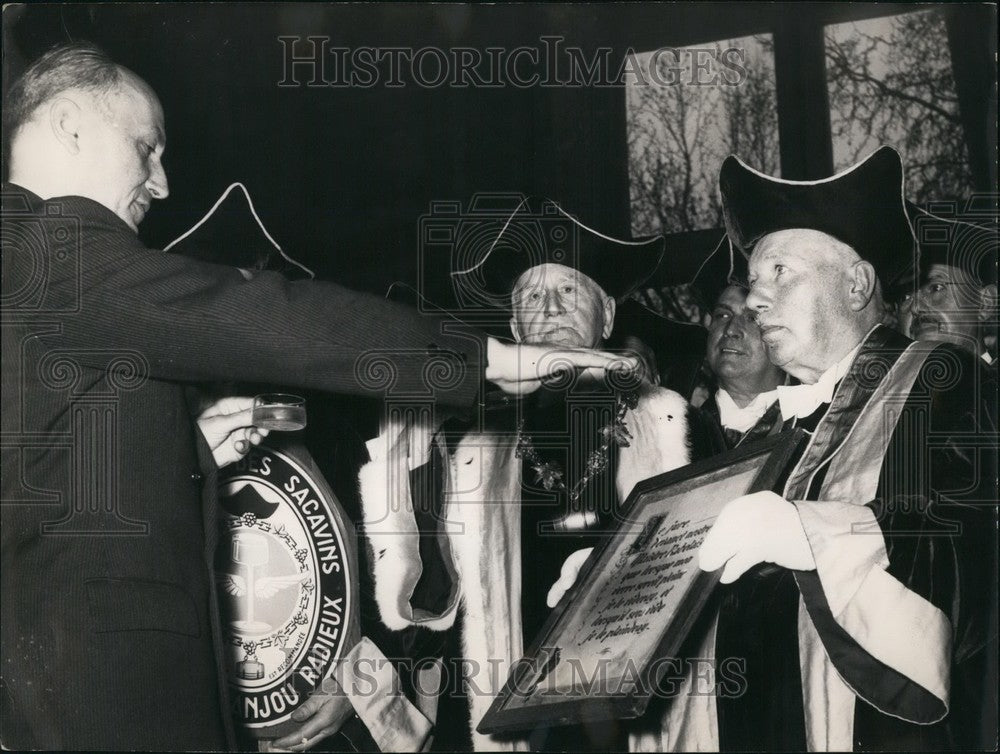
[[775, 454]]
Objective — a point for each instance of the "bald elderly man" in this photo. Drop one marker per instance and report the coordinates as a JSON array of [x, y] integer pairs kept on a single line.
[[859, 599], [110, 625], [877, 629]]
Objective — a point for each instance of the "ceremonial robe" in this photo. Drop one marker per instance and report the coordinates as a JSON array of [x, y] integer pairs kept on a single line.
[[481, 535], [891, 642]]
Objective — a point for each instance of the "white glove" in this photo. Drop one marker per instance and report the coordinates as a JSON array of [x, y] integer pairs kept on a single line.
[[758, 528], [567, 575]]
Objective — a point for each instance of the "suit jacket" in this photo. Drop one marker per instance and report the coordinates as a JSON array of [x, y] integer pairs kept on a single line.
[[110, 629], [769, 424]]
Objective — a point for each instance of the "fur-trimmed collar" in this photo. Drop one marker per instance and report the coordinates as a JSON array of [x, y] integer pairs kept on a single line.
[[482, 525]]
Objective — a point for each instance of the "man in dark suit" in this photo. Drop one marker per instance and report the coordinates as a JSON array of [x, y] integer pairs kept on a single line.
[[745, 401], [110, 627]]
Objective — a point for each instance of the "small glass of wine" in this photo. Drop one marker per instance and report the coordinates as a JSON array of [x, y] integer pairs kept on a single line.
[[279, 412]]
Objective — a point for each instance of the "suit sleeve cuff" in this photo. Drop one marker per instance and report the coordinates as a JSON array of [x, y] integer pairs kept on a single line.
[[373, 688]]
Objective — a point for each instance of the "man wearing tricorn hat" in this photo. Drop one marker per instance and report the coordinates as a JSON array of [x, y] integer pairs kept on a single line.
[[877, 629], [732, 375], [540, 478], [956, 297]]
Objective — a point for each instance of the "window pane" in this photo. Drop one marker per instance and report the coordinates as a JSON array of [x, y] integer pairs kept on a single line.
[[890, 82], [686, 109]]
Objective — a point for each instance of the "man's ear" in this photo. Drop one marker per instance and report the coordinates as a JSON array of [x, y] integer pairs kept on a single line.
[[609, 317], [988, 303], [863, 283], [515, 330], [65, 119]]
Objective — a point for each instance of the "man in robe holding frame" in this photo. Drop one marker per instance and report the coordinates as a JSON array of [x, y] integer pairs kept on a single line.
[[878, 628], [513, 497]]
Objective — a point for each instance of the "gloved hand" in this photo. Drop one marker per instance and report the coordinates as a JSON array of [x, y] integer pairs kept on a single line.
[[759, 528], [567, 576]]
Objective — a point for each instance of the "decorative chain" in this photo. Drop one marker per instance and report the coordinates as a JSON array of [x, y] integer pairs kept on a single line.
[[550, 475]]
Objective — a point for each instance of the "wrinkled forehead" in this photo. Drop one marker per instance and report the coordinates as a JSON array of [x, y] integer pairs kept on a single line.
[[801, 244], [551, 274]]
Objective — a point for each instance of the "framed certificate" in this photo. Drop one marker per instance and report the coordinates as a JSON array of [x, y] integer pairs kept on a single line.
[[599, 654]]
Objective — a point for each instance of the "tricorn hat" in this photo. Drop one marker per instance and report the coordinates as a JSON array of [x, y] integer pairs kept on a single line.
[[862, 206], [704, 261], [539, 232], [969, 246], [720, 269], [232, 233]]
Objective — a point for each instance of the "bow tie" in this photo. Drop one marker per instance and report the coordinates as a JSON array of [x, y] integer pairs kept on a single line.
[[800, 401], [742, 419]]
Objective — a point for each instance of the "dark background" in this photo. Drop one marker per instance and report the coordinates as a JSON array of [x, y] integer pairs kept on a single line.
[[341, 176]]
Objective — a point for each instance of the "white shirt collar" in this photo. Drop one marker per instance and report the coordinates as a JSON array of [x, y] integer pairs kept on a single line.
[[742, 419], [800, 401], [985, 356]]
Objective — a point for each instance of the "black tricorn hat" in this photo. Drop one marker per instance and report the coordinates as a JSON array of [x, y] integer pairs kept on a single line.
[[232, 233], [862, 206], [969, 246], [667, 337], [539, 231], [703, 260], [720, 269]]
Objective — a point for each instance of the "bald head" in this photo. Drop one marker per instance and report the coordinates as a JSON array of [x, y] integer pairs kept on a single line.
[[80, 67], [814, 298], [81, 125]]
